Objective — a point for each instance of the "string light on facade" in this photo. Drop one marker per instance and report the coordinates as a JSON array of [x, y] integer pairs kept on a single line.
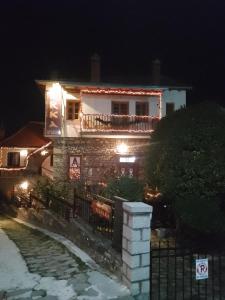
[[26, 159], [121, 91]]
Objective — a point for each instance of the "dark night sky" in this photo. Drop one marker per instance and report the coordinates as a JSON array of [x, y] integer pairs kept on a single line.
[[48, 39]]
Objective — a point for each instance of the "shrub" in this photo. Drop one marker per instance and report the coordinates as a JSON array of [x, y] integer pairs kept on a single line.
[[47, 188], [186, 162], [126, 187]]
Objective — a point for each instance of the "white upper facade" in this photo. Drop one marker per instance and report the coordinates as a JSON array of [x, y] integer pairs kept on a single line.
[[102, 104], [75, 109]]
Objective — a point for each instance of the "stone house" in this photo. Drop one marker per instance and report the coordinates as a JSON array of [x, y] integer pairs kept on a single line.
[[102, 129]]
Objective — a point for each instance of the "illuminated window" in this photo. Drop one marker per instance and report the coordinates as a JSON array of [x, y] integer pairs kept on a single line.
[[72, 110], [13, 159], [169, 108], [142, 109], [120, 108]]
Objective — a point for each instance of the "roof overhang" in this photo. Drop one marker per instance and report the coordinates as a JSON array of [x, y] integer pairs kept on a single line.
[[100, 87]]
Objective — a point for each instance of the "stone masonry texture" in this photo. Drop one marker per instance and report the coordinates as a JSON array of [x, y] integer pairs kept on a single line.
[[99, 159], [49, 258], [136, 248]]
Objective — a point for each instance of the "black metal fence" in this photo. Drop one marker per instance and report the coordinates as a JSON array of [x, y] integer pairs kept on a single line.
[[173, 274], [97, 211], [62, 208]]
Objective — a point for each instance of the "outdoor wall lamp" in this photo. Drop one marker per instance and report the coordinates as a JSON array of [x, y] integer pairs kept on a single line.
[[122, 148], [24, 185], [23, 152], [44, 152]]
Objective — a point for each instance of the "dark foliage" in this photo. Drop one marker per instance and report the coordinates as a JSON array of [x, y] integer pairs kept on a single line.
[[186, 162], [125, 187]]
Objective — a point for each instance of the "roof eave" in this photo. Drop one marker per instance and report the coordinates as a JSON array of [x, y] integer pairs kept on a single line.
[[110, 85]]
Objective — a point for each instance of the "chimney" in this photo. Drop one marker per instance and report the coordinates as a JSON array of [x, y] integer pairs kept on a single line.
[[95, 68], [156, 65]]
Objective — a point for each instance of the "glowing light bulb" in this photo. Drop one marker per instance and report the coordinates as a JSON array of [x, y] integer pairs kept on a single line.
[[24, 185], [23, 152], [122, 148], [55, 91], [44, 152]]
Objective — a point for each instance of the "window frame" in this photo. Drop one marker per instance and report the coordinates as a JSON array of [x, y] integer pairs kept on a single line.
[[75, 115], [120, 103], [14, 160], [145, 107]]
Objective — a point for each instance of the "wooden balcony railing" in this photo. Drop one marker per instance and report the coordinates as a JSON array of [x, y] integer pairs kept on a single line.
[[128, 123]]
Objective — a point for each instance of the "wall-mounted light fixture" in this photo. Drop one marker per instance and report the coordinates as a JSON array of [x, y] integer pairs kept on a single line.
[[44, 152], [23, 152], [121, 148], [24, 185]]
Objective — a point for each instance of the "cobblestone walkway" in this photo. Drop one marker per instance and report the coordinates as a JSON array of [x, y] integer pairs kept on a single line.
[[51, 260]]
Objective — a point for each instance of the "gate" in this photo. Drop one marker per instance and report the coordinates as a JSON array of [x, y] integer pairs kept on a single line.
[[173, 274]]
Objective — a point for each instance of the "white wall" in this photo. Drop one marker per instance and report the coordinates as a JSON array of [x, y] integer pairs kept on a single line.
[[102, 104], [178, 97], [72, 128]]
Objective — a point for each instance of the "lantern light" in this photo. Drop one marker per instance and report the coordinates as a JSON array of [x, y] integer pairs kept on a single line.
[[24, 185], [122, 148], [24, 152], [44, 152]]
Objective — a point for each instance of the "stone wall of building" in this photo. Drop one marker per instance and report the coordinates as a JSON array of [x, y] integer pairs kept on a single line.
[[99, 160]]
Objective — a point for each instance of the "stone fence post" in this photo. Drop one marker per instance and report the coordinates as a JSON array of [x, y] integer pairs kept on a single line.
[[118, 223], [136, 248]]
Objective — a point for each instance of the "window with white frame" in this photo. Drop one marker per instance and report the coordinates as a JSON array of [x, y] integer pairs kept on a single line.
[[72, 110], [120, 108], [142, 108]]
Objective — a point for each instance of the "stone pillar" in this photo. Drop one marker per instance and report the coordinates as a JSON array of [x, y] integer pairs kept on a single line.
[[118, 223], [136, 248]]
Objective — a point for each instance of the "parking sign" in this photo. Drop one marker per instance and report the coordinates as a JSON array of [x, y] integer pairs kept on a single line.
[[202, 269]]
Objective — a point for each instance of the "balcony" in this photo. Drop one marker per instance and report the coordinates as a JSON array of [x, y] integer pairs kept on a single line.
[[118, 123]]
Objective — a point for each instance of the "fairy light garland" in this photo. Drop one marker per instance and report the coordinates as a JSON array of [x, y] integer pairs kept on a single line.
[[121, 92], [27, 159]]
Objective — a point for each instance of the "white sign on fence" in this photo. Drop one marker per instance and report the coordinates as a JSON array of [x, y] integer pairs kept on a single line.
[[202, 268]]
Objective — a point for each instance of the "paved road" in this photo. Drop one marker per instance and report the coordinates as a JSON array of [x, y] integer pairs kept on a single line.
[[58, 273]]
